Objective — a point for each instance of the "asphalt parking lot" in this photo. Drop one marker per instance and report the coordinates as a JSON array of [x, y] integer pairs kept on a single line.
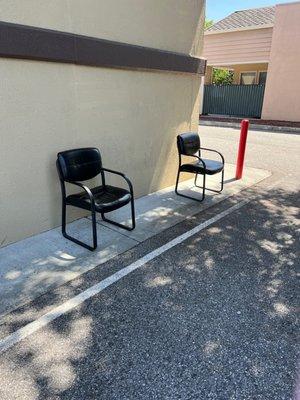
[[214, 316]]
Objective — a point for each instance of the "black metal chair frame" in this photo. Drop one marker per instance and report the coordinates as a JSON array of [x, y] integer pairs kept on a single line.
[[93, 209], [203, 187]]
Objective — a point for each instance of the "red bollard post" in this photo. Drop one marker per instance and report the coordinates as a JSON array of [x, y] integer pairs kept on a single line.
[[242, 148]]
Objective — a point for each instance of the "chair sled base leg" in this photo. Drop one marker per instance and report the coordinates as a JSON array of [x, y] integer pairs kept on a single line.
[[123, 226], [74, 240], [191, 197]]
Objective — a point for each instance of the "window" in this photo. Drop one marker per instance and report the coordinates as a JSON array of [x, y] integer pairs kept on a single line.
[[262, 78], [248, 78]]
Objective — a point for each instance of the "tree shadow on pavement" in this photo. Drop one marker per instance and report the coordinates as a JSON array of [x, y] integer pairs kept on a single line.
[[212, 318]]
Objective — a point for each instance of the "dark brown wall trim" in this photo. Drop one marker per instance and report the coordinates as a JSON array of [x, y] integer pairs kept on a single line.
[[26, 42]]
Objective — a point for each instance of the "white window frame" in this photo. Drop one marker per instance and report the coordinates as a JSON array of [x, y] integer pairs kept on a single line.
[[259, 75], [248, 72]]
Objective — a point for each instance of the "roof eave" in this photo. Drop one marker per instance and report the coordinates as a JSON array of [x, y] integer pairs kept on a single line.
[[245, 28]]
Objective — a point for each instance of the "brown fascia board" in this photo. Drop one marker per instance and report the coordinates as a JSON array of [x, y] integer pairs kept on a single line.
[[33, 43]]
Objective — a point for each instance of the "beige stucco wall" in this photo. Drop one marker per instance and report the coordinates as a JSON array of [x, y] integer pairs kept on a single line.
[[238, 47], [282, 99], [153, 23], [132, 116]]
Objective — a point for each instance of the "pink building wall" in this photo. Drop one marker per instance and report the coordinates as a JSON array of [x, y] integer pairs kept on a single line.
[[249, 46], [282, 95]]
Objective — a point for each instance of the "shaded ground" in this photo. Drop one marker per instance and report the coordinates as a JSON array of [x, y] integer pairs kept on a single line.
[[46, 261], [212, 318]]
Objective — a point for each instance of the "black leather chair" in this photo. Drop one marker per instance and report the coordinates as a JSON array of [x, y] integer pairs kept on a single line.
[[83, 164], [188, 144]]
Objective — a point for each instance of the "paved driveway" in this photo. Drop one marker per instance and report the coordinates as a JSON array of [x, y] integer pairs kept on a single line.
[[211, 315]]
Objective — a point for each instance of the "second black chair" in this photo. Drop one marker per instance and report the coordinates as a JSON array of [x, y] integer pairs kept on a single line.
[[84, 164], [188, 144]]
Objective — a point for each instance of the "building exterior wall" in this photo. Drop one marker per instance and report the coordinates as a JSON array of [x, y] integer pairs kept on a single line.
[[282, 100], [239, 47], [132, 116], [237, 70], [208, 75]]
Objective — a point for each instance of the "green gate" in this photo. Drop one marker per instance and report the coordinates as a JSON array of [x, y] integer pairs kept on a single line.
[[234, 100]]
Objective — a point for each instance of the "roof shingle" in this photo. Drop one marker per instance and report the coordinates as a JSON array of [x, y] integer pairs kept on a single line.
[[245, 18]]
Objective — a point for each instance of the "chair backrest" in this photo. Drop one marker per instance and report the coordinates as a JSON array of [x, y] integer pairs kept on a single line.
[[79, 164], [188, 143]]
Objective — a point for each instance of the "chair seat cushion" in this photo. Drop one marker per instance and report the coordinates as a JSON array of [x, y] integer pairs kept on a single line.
[[211, 167], [107, 198]]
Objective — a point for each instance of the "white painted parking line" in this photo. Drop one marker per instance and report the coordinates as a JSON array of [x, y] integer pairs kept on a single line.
[[69, 305]]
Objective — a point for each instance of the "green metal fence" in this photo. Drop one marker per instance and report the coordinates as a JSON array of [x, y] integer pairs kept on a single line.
[[234, 100]]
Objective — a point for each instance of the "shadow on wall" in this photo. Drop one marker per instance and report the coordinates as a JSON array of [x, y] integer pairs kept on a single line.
[[228, 308], [166, 157]]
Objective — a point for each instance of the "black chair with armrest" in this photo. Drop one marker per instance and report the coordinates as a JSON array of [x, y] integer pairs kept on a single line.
[[188, 144], [83, 164]]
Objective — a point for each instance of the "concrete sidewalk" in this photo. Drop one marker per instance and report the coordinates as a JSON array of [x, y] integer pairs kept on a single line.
[[35, 265]]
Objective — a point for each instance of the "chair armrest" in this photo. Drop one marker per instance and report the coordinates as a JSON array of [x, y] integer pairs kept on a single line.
[[87, 190], [113, 172], [214, 151], [122, 175], [199, 158]]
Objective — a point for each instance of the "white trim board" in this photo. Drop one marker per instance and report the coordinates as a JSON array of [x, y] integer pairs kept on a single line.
[[237, 63]]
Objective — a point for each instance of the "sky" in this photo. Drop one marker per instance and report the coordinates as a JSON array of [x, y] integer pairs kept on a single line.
[[218, 9]]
